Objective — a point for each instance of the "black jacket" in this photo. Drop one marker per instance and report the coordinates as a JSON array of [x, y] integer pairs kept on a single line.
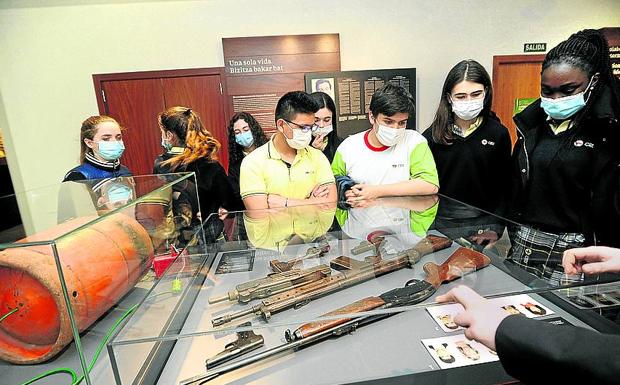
[[537, 352], [600, 216], [475, 169]]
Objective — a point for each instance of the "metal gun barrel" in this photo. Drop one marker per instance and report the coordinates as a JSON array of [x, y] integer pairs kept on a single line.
[[216, 299], [233, 316]]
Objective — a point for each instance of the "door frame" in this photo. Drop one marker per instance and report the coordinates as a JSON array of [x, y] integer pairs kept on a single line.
[[99, 79]]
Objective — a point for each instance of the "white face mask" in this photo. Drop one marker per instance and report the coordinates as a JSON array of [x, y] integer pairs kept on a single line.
[[323, 130], [300, 139], [467, 109], [389, 136]]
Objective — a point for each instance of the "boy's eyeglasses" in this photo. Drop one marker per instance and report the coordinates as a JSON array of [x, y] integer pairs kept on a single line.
[[303, 128]]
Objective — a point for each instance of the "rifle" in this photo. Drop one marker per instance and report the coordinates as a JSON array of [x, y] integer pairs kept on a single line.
[[273, 283], [461, 262], [356, 272], [313, 252]]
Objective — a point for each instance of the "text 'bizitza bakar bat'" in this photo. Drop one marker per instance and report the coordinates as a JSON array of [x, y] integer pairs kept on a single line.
[[461, 262], [356, 272]]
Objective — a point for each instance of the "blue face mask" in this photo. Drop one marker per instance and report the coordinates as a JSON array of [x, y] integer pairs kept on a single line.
[[564, 108], [119, 193], [244, 139], [111, 150], [166, 145]]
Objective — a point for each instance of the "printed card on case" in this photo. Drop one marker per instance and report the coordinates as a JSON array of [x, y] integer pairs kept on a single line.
[[457, 350], [522, 304]]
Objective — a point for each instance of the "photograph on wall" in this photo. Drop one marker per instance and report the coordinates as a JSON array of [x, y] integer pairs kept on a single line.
[[455, 351], [324, 85], [352, 92]]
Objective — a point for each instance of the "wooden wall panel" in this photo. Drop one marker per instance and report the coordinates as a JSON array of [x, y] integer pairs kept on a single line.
[[270, 45], [259, 70], [612, 35], [250, 85]]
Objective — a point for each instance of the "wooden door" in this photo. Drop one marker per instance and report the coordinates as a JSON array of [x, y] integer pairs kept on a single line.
[[203, 94], [136, 98], [135, 105], [514, 77]]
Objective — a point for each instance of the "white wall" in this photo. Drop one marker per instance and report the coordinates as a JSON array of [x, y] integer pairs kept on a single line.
[[50, 48]]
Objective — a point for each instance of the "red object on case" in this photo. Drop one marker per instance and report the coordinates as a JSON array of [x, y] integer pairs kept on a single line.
[[161, 262]]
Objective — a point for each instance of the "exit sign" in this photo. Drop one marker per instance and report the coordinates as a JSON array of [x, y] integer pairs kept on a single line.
[[534, 47]]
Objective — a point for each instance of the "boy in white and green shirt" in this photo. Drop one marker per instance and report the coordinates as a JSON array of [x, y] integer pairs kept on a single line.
[[387, 159]]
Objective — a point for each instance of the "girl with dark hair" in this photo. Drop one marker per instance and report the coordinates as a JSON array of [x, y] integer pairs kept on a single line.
[[244, 136], [101, 146], [567, 158], [325, 136], [192, 148], [470, 146]]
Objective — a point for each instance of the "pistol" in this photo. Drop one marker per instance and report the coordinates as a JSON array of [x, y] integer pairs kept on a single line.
[[246, 342]]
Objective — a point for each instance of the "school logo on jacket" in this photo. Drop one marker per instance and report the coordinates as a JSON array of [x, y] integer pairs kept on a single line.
[[579, 143], [487, 142]]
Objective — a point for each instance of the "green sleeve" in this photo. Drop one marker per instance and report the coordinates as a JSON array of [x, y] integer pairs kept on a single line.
[[420, 222], [422, 164], [341, 216], [339, 168]]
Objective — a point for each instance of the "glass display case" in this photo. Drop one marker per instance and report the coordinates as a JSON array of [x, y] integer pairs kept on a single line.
[[88, 252], [329, 294]]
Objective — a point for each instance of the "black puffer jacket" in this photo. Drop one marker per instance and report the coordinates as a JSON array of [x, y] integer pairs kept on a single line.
[[583, 175]]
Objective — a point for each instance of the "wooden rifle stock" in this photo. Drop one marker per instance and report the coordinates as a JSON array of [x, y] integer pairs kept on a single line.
[[461, 262]]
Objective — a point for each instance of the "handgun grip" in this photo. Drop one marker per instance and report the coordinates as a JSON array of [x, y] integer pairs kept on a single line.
[[312, 328]]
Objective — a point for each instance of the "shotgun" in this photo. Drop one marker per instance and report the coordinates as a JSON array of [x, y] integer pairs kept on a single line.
[[461, 262], [354, 272]]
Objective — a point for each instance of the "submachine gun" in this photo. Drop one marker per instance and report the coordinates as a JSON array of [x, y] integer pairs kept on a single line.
[[273, 283]]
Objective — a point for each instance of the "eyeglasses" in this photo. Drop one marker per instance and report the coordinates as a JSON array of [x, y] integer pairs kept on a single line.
[[303, 128]]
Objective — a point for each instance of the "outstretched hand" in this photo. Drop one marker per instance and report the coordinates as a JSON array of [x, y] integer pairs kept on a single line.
[[591, 260], [480, 318]]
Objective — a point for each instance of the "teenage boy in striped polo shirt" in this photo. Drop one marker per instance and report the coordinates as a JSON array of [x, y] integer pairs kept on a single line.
[[287, 171], [387, 159]]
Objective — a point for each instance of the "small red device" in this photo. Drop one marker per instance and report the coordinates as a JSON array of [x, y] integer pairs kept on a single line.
[[162, 261]]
